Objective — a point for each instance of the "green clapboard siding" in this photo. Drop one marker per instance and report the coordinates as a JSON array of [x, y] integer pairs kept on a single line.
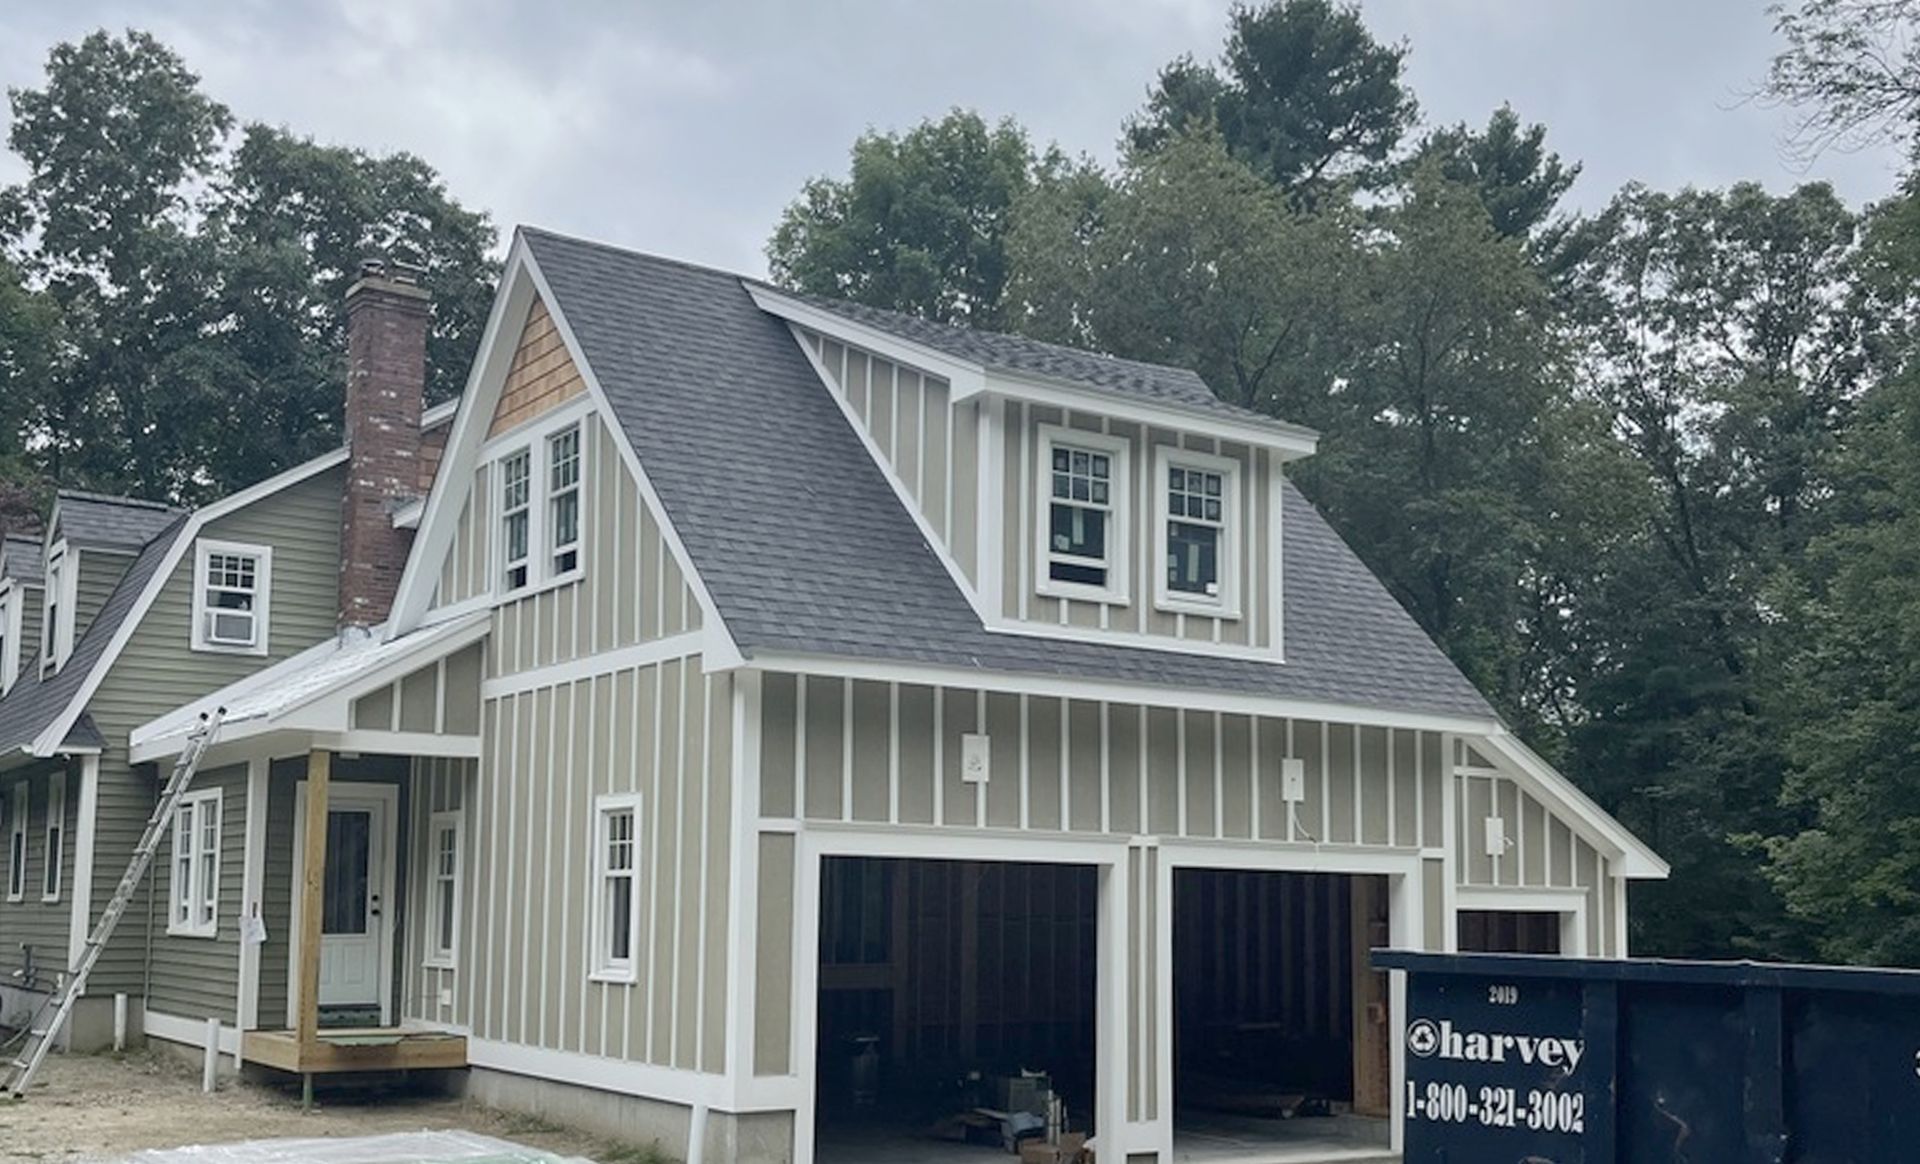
[[99, 572], [194, 977], [31, 921]]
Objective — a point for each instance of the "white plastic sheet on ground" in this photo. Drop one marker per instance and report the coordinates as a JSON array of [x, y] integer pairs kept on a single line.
[[396, 1148]]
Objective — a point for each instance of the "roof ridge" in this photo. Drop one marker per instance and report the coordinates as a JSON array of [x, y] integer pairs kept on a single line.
[[633, 252], [117, 499]]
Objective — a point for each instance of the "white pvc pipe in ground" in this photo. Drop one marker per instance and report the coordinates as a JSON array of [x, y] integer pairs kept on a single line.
[[211, 1064], [120, 1022]]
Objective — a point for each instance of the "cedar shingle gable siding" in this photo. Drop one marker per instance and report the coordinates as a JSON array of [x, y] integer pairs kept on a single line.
[[542, 376]]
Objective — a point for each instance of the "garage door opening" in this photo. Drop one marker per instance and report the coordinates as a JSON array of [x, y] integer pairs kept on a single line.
[[957, 1006], [1281, 1029]]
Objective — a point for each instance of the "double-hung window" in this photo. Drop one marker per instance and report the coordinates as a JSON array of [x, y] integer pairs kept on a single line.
[[616, 888], [563, 500], [232, 589], [193, 898], [55, 848], [17, 844], [443, 905], [516, 515], [541, 509], [1082, 516], [1198, 544]]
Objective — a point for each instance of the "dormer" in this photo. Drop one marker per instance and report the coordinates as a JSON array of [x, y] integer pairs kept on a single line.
[[91, 539], [1070, 495], [20, 600]]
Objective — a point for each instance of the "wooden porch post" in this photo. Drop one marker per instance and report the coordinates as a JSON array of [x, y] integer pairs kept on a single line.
[[313, 879]]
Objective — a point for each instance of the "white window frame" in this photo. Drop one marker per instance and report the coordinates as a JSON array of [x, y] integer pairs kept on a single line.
[[535, 440], [604, 967], [62, 590], [203, 552], [53, 838], [202, 918], [553, 494], [441, 824], [1120, 516], [13, 603], [20, 805], [525, 509], [1226, 604]]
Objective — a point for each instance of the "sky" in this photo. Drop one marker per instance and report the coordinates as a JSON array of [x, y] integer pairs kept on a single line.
[[683, 127]]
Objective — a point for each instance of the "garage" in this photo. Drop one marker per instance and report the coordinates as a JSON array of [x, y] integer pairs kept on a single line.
[[957, 1005], [1281, 1030]]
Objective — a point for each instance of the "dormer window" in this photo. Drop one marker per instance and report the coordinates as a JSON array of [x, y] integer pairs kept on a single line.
[[232, 588], [12, 614], [1083, 526], [56, 613], [1197, 503]]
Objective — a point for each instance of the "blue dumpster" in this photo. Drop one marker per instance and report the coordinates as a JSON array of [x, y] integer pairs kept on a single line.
[[1541, 1060]]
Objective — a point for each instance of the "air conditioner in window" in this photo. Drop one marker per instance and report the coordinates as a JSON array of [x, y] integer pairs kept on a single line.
[[230, 628]]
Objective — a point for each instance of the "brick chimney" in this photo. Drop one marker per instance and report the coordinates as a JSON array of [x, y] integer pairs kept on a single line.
[[387, 321]]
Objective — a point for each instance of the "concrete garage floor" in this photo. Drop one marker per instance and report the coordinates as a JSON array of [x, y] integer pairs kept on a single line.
[[1201, 1140]]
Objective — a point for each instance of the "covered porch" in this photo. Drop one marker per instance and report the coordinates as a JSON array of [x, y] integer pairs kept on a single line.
[[353, 751]]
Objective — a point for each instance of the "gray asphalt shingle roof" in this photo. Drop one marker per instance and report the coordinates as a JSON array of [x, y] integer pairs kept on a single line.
[[758, 470], [34, 702], [125, 523], [1155, 383], [20, 559]]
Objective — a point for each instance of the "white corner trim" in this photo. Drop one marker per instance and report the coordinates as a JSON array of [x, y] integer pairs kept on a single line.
[[190, 1032], [80, 921], [253, 880]]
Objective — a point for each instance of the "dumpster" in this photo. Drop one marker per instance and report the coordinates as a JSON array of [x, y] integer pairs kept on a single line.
[[1546, 1060]]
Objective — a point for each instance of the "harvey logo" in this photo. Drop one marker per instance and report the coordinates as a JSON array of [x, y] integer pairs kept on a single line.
[[1430, 1040]]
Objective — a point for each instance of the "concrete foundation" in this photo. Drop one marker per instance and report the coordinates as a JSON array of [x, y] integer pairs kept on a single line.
[[759, 1137], [625, 1119]]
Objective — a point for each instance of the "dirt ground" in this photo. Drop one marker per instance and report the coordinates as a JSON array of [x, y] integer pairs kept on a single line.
[[104, 1107]]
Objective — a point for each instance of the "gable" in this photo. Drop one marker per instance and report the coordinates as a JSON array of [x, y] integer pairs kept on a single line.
[[542, 376]]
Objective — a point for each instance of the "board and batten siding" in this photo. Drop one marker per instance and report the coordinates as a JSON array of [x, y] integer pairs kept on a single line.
[[194, 977], [660, 730], [631, 589], [43, 925], [927, 443], [157, 672], [443, 696], [438, 786]]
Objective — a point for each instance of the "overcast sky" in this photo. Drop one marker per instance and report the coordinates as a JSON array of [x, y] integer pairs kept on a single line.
[[682, 127]]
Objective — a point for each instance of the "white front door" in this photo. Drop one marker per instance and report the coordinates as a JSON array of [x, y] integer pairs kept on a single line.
[[352, 907]]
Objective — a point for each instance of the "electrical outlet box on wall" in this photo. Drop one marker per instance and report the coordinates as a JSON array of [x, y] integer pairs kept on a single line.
[[1496, 836], [975, 756], [1293, 781]]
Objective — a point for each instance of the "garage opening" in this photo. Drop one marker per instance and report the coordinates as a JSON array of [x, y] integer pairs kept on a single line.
[[1281, 1029], [957, 1008], [1506, 931]]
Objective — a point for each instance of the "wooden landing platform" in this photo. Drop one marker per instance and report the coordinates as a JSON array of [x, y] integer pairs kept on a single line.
[[356, 1049]]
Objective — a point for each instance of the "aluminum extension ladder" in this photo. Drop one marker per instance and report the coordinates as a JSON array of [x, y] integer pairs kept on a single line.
[[19, 1073]]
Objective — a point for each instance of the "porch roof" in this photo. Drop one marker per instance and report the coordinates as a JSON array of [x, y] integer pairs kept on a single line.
[[313, 694]]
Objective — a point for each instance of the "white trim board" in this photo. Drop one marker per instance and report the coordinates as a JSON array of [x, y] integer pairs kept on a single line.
[[187, 1031]]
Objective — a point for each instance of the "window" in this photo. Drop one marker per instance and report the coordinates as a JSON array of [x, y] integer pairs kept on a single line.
[[515, 513], [17, 844], [563, 499], [55, 848], [56, 622], [11, 602], [1082, 516], [1196, 507], [443, 905], [232, 586], [616, 913], [194, 897], [542, 508]]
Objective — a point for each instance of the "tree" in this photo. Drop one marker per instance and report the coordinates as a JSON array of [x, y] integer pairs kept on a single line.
[[1304, 95], [1852, 68], [1191, 259], [186, 295], [1850, 699], [1716, 332], [919, 224], [1519, 182]]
